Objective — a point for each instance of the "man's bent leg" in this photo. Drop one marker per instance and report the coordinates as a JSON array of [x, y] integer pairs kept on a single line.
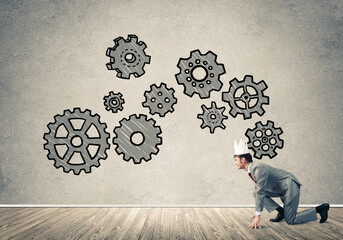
[[269, 204], [293, 217]]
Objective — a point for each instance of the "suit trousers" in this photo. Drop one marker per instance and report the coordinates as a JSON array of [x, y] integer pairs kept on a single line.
[[290, 210]]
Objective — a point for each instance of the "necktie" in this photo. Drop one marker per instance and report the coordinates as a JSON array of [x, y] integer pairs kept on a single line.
[[251, 177]]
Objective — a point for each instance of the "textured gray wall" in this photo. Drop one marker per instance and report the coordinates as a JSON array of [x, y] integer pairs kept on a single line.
[[53, 58]]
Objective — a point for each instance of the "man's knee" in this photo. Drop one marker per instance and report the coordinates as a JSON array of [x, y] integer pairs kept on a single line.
[[254, 194]]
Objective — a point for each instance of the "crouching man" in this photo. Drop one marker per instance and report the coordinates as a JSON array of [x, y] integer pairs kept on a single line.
[[274, 182]]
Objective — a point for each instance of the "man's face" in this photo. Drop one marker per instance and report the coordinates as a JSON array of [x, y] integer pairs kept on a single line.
[[239, 162]]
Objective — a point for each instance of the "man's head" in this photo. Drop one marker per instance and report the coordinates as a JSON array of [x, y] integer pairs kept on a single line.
[[242, 161]]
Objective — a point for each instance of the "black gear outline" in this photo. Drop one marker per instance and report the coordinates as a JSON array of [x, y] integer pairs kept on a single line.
[[212, 117], [118, 100], [211, 81], [52, 141], [246, 97], [129, 149], [264, 139], [118, 57], [160, 99]]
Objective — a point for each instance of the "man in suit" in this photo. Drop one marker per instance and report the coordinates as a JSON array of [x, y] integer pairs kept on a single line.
[[274, 182]]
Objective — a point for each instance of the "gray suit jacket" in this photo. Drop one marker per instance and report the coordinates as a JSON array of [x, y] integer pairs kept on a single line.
[[273, 182]]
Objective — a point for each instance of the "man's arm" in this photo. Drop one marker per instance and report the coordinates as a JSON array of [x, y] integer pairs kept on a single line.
[[261, 175]]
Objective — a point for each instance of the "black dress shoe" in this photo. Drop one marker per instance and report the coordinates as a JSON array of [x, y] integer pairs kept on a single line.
[[278, 218], [323, 212]]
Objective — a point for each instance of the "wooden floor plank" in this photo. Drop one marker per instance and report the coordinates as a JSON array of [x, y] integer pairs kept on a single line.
[[157, 223]]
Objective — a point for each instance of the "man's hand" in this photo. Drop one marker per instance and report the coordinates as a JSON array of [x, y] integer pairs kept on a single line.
[[256, 222]]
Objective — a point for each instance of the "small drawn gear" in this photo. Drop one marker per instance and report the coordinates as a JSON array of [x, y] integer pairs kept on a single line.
[[252, 96], [264, 139], [114, 102], [127, 57], [77, 138], [200, 85], [137, 138], [160, 99], [212, 117]]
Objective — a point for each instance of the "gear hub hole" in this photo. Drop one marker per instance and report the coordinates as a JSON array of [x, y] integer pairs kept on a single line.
[[130, 58], [268, 132], [114, 102], [76, 141], [137, 138], [265, 147], [199, 73], [213, 116], [257, 143], [258, 134]]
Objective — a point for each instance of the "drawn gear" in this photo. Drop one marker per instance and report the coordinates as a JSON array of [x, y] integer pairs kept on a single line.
[[209, 82], [264, 139], [160, 99], [127, 57], [251, 91], [114, 102], [131, 148], [212, 117], [77, 139]]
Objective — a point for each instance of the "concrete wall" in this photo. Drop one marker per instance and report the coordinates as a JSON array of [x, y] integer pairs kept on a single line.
[[53, 58]]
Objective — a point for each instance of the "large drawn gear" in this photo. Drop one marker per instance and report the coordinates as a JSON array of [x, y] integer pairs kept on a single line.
[[212, 117], [114, 102], [251, 91], [160, 99], [129, 146], [127, 57], [207, 62], [264, 139], [77, 140]]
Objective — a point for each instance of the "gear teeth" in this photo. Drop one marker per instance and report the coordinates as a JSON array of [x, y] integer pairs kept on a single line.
[[110, 53], [270, 124], [233, 112], [109, 66], [119, 40], [133, 38], [143, 45], [262, 85], [221, 69], [125, 75], [195, 53], [147, 59], [272, 154], [248, 79], [181, 63], [139, 72], [260, 112], [259, 125], [211, 56], [258, 155]]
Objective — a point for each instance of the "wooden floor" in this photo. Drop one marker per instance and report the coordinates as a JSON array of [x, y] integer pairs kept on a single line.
[[157, 223]]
